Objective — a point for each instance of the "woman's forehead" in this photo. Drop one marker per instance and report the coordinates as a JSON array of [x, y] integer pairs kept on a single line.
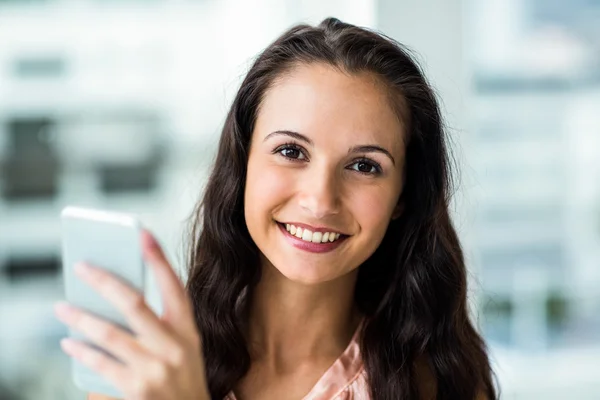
[[320, 98]]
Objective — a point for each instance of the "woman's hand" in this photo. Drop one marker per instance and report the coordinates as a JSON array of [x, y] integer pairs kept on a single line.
[[163, 360]]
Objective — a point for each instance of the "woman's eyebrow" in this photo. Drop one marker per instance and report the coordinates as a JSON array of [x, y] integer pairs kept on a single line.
[[370, 148], [292, 134]]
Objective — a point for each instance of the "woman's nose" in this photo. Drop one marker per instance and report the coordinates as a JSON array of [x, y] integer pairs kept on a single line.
[[319, 195]]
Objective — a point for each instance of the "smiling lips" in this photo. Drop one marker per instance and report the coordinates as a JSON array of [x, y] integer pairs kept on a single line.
[[309, 236], [307, 240]]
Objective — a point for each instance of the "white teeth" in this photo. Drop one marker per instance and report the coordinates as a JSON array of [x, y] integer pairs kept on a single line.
[[316, 237], [309, 236]]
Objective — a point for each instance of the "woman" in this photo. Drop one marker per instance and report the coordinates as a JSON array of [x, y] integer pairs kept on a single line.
[[324, 262]]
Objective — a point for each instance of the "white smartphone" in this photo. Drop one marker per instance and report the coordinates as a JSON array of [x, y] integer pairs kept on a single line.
[[110, 241]]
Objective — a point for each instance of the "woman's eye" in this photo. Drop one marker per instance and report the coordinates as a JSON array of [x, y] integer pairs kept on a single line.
[[292, 153], [366, 167]]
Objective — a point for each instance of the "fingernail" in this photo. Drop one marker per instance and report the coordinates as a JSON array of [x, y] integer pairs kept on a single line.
[[82, 269], [62, 308], [150, 241], [66, 344]]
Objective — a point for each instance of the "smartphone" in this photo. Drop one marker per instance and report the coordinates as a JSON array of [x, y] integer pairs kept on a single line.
[[107, 240]]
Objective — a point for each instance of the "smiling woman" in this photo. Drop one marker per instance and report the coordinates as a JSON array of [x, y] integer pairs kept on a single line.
[[330, 169], [323, 263]]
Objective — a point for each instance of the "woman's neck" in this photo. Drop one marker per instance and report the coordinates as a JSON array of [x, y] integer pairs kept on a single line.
[[291, 323]]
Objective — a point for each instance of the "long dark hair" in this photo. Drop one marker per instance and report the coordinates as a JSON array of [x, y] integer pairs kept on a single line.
[[412, 290]]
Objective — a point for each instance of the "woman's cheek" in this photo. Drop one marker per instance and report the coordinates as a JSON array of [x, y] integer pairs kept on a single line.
[[373, 209], [270, 183]]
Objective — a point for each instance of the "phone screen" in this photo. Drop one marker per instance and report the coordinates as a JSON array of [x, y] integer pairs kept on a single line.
[[106, 240]]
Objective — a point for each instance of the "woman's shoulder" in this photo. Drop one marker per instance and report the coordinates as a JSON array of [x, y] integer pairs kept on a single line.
[[425, 378], [356, 389], [427, 382]]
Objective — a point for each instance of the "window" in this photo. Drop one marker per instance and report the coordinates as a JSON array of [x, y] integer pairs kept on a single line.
[[31, 167]]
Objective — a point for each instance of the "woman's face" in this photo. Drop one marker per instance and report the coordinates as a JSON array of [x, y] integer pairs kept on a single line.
[[324, 172]]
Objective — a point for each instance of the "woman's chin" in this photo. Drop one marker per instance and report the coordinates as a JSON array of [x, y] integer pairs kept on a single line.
[[307, 275]]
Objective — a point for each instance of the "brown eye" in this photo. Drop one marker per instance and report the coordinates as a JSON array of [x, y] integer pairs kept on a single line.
[[291, 152], [366, 167]]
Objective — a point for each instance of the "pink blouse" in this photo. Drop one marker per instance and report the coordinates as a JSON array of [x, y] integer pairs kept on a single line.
[[346, 379]]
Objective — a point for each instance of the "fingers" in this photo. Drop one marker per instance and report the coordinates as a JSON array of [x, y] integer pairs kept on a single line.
[[162, 355], [115, 372], [104, 334], [130, 303], [176, 304]]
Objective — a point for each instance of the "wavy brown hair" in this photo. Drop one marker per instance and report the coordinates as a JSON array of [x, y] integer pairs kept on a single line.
[[412, 290]]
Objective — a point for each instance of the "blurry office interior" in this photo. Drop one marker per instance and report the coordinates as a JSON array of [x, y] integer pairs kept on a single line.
[[119, 104]]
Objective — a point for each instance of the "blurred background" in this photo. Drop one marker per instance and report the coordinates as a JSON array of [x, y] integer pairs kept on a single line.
[[119, 104]]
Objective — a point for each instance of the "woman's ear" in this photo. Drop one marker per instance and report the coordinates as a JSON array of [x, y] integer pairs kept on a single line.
[[398, 210], [400, 205]]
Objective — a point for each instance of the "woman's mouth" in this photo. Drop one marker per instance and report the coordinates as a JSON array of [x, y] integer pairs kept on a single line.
[[314, 242]]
